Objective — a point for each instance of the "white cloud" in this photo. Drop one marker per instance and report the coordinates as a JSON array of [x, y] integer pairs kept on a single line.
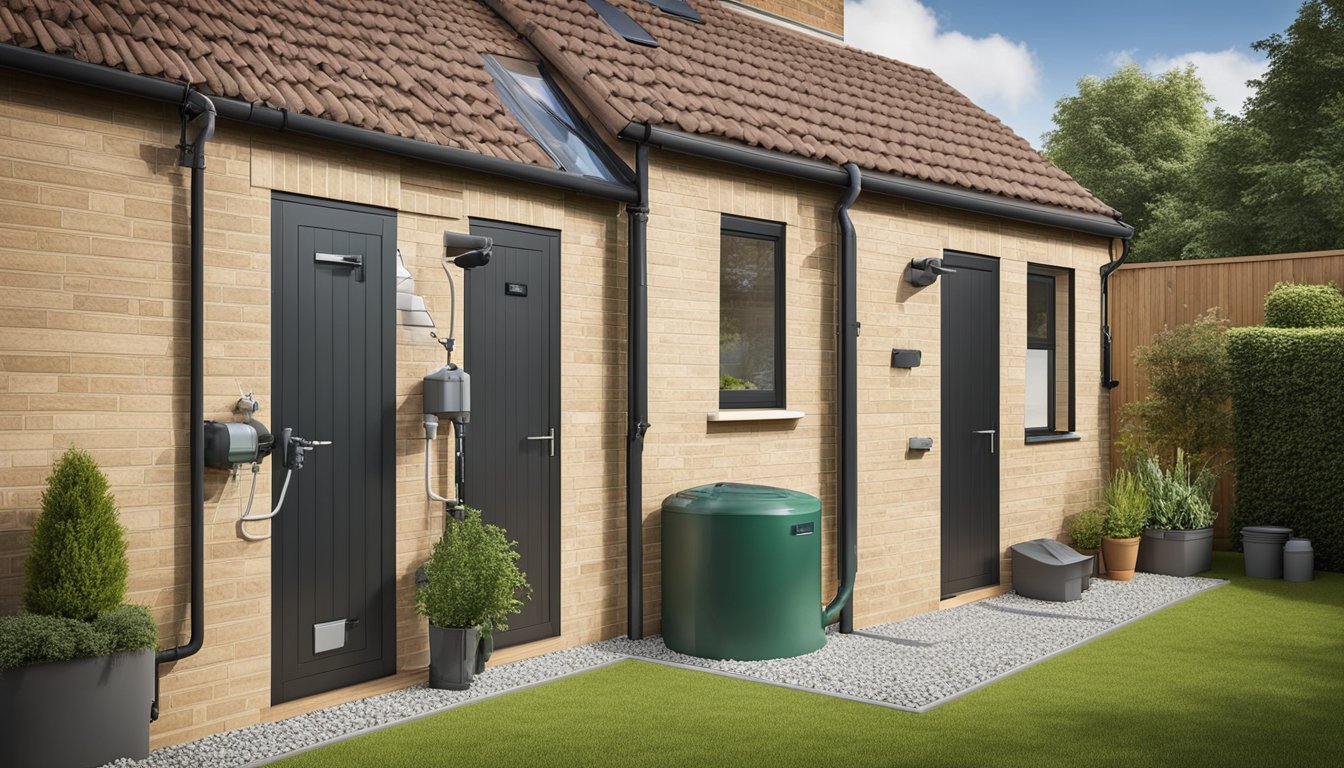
[[1224, 72], [986, 69]]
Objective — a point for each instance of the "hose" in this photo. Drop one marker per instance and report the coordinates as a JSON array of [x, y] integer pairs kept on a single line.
[[248, 517]]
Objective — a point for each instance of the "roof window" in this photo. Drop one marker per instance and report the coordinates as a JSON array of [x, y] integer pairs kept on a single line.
[[622, 24], [543, 110], [679, 8]]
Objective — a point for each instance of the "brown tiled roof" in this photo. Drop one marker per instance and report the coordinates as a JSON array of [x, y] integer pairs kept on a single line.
[[752, 81], [408, 69]]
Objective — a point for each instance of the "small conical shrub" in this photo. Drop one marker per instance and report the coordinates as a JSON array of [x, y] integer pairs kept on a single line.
[[77, 567]]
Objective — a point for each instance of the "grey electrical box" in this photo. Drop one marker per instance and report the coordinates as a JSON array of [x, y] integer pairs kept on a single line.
[[448, 393], [905, 358], [921, 443]]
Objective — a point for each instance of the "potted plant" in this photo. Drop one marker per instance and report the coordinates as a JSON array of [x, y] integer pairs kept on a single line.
[[77, 667], [473, 586], [1126, 505], [1178, 540], [1085, 531]]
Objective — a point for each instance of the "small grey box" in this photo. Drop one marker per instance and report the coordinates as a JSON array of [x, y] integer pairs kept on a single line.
[[921, 443], [328, 636], [905, 358]]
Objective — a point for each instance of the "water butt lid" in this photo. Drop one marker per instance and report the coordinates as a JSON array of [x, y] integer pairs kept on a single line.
[[1050, 551], [1266, 531], [741, 499], [1297, 545]]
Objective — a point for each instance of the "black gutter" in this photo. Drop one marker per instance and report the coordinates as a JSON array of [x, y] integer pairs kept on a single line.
[[107, 78], [637, 396], [882, 183], [1106, 270], [847, 393]]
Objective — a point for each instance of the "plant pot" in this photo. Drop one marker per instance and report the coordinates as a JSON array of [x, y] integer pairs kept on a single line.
[[484, 651], [1121, 556], [452, 657], [1176, 553], [78, 713]]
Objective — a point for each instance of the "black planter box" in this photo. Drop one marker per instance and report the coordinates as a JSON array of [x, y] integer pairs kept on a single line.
[[1176, 553], [77, 714], [452, 657]]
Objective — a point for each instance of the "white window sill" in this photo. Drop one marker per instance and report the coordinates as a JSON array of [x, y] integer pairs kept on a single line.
[[755, 414]]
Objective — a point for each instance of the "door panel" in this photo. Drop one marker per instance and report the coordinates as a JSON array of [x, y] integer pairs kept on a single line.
[[333, 367], [512, 353], [970, 410]]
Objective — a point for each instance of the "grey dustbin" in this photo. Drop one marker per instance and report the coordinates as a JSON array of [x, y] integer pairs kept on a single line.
[[1297, 560], [1046, 569], [1263, 545]]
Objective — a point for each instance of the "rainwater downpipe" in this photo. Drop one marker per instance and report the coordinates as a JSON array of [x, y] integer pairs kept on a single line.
[[195, 107], [637, 396], [1106, 371], [846, 518]]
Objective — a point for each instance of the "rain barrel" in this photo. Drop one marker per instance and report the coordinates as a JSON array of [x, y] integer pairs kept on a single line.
[[742, 572]]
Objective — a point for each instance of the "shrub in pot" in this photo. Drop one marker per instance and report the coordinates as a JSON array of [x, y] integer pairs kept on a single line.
[[1085, 531], [1178, 539], [473, 586], [1126, 505], [77, 661]]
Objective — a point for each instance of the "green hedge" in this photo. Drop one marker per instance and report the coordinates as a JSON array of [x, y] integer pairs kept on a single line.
[[1288, 398], [31, 638], [1291, 305]]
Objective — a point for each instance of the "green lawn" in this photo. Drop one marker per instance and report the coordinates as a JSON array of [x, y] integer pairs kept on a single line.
[[1248, 674]]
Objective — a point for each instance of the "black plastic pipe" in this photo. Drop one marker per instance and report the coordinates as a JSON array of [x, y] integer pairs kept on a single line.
[[107, 78], [847, 394], [637, 395], [1106, 371]]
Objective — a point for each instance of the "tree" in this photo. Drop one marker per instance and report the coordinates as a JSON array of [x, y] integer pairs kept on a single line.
[[1131, 138]]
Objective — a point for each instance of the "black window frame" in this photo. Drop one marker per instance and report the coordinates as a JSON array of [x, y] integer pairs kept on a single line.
[[760, 229], [1049, 276]]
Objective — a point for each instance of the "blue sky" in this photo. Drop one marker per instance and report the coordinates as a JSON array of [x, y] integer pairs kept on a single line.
[[1017, 58]]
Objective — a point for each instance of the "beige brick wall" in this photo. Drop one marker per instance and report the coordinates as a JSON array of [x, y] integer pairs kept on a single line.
[[822, 14]]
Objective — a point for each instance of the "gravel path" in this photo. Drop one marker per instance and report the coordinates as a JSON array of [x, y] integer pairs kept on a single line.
[[915, 664]]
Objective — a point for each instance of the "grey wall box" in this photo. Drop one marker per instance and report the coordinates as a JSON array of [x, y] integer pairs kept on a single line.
[[905, 358], [921, 443]]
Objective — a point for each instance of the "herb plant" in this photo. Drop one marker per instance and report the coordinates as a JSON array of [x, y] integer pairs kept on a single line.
[[1126, 504], [1180, 498], [1085, 529], [474, 579]]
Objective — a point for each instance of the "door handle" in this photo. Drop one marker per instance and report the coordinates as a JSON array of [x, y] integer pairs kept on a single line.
[[549, 437], [991, 433]]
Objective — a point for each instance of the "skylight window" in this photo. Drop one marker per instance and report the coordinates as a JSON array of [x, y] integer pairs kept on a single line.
[[679, 8], [548, 117]]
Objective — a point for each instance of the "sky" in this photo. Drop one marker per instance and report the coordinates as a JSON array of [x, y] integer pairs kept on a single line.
[[1016, 58]]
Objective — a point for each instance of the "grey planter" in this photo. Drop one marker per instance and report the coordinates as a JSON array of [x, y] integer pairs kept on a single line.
[[76, 714], [1176, 553], [452, 657]]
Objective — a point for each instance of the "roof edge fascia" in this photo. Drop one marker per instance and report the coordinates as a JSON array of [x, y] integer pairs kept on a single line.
[[892, 185]]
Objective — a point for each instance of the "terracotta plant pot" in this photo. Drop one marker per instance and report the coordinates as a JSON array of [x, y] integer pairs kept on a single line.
[[1121, 556]]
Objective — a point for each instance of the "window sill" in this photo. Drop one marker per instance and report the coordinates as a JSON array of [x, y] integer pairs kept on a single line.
[[755, 414], [1052, 437]]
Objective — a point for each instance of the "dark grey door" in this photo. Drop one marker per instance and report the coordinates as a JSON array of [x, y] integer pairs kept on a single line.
[[333, 368], [970, 400], [512, 350]]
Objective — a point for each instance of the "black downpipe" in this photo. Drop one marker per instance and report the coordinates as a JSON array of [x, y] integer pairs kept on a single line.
[[1106, 371], [195, 107], [847, 492], [637, 371]]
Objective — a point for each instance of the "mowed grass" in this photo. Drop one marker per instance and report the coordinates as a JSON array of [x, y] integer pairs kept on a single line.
[[1249, 674]]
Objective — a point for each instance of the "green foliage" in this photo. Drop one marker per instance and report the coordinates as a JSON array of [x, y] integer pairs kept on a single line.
[[1292, 305], [474, 579], [727, 381], [31, 638], [1126, 505], [77, 567], [1085, 529], [1289, 405], [1180, 498], [1130, 138], [1189, 384]]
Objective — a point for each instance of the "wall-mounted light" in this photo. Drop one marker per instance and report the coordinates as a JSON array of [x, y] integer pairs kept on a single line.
[[924, 272], [411, 310]]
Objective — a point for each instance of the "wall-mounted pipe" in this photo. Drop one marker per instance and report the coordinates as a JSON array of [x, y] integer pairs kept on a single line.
[[637, 395], [847, 491], [1106, 270]]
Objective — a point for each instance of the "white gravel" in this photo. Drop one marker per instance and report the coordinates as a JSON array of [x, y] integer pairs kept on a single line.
[[915, 664]]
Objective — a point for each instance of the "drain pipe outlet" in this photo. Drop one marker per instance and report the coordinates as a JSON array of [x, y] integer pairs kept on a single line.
[[1106, 270], [637, 397], [195, 108], [846, 518]]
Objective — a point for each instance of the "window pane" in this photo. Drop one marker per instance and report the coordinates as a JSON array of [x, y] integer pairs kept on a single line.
[[746, 314], [1038, 389], [1040, 293]]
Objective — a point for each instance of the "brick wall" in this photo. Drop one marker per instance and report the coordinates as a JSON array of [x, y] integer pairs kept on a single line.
[[822, 14]]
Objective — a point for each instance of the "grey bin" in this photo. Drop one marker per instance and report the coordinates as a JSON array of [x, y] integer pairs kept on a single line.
[[1263, 545], [1046, 569], [1297, 560]]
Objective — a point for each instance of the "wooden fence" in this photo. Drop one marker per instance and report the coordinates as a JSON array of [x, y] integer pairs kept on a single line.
[[1147, 298]]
